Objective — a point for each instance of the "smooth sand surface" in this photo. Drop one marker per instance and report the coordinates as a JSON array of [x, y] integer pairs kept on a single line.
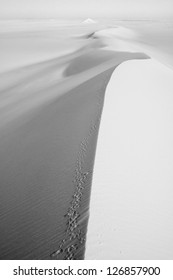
[[51, 103], [131, 202], [52, 86]]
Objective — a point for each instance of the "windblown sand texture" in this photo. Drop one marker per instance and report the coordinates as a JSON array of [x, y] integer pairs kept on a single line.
[[52, 87]]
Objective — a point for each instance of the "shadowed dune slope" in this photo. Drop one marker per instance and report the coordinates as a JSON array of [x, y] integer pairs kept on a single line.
[[49, 119]]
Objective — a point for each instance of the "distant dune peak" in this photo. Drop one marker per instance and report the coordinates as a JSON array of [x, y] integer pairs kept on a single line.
[[89, 20]]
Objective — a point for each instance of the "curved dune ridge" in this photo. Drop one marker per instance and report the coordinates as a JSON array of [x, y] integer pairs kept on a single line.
[[51, 105], [131, 197], [131, 204]]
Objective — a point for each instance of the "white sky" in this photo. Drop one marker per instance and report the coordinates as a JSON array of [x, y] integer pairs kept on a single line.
[[85, 8]]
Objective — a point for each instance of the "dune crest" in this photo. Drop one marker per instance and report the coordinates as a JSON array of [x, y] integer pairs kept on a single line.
[[49, 119], [89, 21]]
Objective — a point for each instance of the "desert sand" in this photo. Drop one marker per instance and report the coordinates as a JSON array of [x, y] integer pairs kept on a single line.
[[53, 82], [134, 155]]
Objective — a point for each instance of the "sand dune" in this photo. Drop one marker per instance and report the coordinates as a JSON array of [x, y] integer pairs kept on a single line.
[[134, 152], [51, 97], [133, 196]]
